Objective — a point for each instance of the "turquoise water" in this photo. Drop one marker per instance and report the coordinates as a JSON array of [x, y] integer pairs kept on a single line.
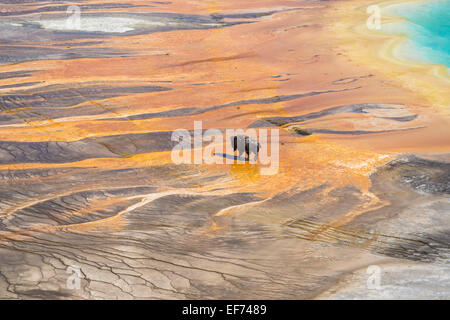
[[427, 28]]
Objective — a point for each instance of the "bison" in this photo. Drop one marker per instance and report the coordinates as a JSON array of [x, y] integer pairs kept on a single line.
[[245, 144]]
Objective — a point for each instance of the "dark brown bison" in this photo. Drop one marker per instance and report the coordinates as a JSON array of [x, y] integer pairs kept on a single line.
[[245, 144]]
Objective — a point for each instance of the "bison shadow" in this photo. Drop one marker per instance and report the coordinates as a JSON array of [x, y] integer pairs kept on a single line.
[[231, 157]]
